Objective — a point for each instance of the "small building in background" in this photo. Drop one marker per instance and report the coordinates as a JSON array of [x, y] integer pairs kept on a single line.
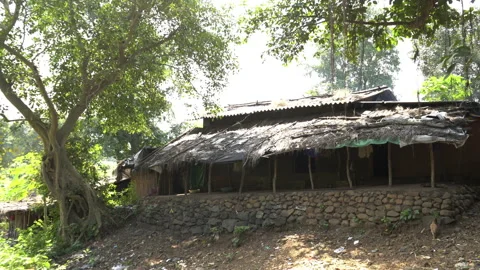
[[19, 215]]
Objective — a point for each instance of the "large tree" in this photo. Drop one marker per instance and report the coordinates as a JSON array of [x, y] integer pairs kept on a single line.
[[113, 59], [371, 68], [454, 50], [342, 25]]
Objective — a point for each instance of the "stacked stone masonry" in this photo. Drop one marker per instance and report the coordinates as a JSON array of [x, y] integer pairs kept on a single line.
[[198, 213]]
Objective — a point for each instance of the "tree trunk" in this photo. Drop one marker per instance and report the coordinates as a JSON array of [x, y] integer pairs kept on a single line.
[[362, 56], [332, 45], [78, 203]]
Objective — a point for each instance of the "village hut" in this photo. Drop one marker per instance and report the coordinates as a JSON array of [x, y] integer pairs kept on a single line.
[[358, 139], [18, 215]]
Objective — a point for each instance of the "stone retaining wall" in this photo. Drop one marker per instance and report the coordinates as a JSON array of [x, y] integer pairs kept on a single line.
[[198, 213]]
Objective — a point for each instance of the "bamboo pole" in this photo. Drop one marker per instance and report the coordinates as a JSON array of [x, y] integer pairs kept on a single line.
[[185, 180], [390, 165], [210, 166], [432, 167], [242, 180], [348, 168], [310, 171], [170, 182], [275, 175]]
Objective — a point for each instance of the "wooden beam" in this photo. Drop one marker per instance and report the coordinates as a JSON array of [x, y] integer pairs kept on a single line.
[[185, 180], [242, 180], [390, 164], [274, 175], [432, 167], [310, 172], [210, 166], [348, 168], [170, 182]]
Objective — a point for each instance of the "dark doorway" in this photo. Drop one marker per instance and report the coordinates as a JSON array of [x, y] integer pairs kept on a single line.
[[380, 162]]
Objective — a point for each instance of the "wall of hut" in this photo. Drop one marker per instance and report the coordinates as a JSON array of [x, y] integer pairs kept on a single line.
[[198, 213], [368, 167]]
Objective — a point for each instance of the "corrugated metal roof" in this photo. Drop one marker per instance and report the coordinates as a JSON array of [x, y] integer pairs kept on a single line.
[[314, 101]]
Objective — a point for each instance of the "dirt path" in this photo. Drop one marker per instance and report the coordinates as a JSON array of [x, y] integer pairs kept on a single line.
[[139, 246]]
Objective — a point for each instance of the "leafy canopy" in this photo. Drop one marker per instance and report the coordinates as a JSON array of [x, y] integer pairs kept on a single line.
[[454, 50], [444, 88], [291, 23], [117, 59]]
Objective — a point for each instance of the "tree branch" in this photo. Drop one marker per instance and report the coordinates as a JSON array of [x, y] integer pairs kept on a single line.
[[41, 86], [29, 115], [154, 45], [81, 46], [16, 13]]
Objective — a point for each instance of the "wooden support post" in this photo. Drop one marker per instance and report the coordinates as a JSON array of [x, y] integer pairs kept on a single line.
[[432, 167], [348, 168], [274, 175], [389, 164], [185, 180], [170, 182], [310, 172], [210, 166], [242, 180]]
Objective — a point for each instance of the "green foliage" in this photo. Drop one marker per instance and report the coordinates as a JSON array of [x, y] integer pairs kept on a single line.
[[239, 235], [409, 215], [444, 89], [32, 249], [291, 24], [16, 139], [125, 197], [22, 178], [454, 50]]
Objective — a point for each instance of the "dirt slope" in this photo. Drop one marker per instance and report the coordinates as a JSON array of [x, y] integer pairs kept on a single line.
[[139, 246]]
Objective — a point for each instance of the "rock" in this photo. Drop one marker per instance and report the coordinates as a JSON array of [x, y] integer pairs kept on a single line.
[[362, 216], [287, 213], [344, 223], [228, 204], [215, 208], [426, 204], [280, 221], [351, 209], [329, 209], [408, 202], [446, 213], [229, 224], [259, 215], [392, 213], [334, 221], [242, 216], [268, 223]]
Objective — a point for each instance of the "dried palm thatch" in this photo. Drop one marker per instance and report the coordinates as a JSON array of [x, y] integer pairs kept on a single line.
[[252, 141]]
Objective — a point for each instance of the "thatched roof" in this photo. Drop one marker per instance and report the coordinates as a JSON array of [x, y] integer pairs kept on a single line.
[[6, 207], [252, 140]]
